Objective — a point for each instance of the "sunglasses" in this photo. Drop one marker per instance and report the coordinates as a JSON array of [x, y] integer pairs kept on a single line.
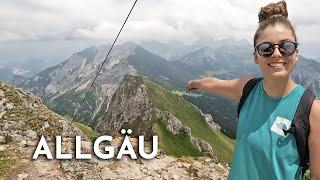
[[286, 48]]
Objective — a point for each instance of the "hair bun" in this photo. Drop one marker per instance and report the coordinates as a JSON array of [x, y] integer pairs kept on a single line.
[[271, 9]]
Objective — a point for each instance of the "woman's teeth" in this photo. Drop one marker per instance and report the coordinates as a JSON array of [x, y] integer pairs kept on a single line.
[[276, 65]]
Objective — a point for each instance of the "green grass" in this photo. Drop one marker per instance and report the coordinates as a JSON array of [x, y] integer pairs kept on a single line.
[[87, 131], [6, 161], [166, 101], [66, 104], [175, 144]]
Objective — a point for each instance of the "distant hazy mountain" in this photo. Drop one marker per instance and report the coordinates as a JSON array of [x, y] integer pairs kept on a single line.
[[307, 73], [176, 50], [169, 51], [14, 75], [203, 57], [20, 75], [224, 62], [214, 43], [17, 72]]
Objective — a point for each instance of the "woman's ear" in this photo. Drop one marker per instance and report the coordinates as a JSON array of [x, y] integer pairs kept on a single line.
[[255, 57]]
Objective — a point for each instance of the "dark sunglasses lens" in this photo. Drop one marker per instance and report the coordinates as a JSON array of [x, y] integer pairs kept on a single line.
[[287, 48], [265, 49]]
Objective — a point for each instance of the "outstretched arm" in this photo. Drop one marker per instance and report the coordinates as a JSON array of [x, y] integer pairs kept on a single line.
[[314, 140], [231, 89]]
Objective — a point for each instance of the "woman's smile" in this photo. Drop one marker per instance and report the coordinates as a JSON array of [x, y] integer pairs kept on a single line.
[[277, 65]]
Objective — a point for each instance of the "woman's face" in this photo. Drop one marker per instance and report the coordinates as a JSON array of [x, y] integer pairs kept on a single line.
[[276, 66]]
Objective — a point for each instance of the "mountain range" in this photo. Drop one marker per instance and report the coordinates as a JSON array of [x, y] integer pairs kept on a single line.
[[62, 87]]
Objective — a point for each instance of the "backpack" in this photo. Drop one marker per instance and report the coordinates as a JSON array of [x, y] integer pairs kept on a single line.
[[300, 126]]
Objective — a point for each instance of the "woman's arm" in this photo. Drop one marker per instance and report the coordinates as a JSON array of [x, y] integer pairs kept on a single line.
[[314, 140], [231, 89]]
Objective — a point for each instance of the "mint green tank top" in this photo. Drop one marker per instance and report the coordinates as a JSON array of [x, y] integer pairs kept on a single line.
[[262, 150]]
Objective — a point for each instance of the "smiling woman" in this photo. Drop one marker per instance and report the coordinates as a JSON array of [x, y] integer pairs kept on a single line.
[[272, 106]]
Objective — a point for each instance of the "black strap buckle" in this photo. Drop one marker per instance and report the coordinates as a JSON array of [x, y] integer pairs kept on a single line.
[[287, 131]]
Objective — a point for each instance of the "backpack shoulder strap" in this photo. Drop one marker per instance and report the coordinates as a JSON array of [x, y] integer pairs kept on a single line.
[[302, 127], [246, 91]]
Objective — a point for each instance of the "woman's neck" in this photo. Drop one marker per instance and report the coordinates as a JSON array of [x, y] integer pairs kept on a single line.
[[278, 87]]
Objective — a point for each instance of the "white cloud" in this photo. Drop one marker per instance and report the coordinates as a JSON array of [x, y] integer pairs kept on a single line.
[[151, 19], [20, 72], [162, 20]]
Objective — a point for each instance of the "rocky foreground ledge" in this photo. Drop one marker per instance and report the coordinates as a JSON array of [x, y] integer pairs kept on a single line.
[[161, 167], [23, 119]]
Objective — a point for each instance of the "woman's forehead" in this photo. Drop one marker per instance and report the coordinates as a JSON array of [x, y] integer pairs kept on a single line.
[[275, 34]]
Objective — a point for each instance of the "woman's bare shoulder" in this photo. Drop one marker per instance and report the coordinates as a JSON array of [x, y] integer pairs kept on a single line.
[[314, 117], [315, 113], [242, 81], [313, 141]]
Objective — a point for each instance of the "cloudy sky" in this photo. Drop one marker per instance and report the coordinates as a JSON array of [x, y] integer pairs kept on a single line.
[[53, 30]]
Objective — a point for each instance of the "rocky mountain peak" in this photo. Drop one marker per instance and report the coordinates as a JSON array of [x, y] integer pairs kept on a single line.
[[137, 104], [129, 104]]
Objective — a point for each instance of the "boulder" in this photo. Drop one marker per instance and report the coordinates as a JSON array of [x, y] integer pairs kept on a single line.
[[204, 147], [31, 134], [9, 106]]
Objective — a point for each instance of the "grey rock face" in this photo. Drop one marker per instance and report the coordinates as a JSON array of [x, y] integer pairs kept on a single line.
[[21, 125], [203, 146], [307, 73], [129, 105], [209, 119], [173, 124], [31, 134]]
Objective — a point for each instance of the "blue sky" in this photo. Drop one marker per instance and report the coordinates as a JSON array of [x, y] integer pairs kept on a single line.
[[53, 30]]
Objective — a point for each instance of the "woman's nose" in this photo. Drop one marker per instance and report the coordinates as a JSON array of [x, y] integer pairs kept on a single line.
[[276, 52]]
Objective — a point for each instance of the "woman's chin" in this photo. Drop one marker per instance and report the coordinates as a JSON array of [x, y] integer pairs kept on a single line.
[[279, 74]]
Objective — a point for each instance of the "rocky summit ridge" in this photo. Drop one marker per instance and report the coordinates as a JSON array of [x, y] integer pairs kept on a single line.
[[23, 119]]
